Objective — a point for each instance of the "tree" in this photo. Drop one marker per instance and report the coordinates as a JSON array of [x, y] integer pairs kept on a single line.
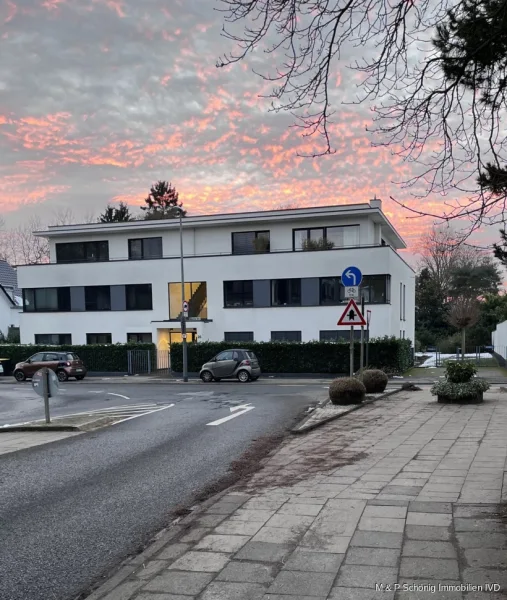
[[475, 280], [431, 310], [442, 108], [162, 198], [113, 214], [464, 313], [500, 251], [493, 311]]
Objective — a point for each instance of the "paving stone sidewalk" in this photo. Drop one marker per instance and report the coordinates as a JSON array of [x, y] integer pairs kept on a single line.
[[404, 498], [14, 441]]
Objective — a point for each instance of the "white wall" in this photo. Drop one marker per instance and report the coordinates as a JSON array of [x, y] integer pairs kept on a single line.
[[499, 339], [8, 314], [214, 270]]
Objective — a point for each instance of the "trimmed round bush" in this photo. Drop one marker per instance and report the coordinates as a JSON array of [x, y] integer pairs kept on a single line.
[[375, 381], [346, 390]]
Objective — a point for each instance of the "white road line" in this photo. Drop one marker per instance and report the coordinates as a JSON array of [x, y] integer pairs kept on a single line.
[[95, 392], [144, 414], [233, 416], [119, 395]]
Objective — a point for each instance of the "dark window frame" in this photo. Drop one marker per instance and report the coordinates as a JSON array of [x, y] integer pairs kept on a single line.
[[63, 300], [60, 343], [59, 247], [338, 335], [244, 303], [143, 240], [137, 341], [138, 285], [256, 236], [387, 290], [298, 336], [324, 234], [89, 343], [88, 302], [244, 336], [289, 294]]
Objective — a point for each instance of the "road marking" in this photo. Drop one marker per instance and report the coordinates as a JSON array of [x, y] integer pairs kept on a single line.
[[144, 414], [95, 392], [234, 409], [292, 385], [119, 395]]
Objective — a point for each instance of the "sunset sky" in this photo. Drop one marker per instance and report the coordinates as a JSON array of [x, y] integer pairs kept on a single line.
[[100, 98]]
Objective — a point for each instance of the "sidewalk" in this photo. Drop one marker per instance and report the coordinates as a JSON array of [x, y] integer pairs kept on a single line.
[[403, 492], [12, 442]]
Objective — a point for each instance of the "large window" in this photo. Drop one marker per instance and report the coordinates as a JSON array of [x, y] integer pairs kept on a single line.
[[98, 338], [145, 248], [139, 296], [82, 252], [286, 292], [338, 335], [285, 336], [139, 338], [374, 289], [250, 242], [53, 339], [238, 336], [98, 297], [314, 238], [46, 299], [238, 294], [196, 294]]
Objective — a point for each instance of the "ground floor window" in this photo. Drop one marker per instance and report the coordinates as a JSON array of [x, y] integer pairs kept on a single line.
[[139, 338], [285, 336], [239, 336], [99, 338], [338, 335], [53, 339]]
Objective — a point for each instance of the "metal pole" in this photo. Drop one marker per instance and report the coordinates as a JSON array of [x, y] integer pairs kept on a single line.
[[183, 319], [45, 391], [352, 350], [361, 360]]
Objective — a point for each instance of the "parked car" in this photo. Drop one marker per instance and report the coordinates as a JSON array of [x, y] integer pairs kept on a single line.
[[237, 363], [64, 364]]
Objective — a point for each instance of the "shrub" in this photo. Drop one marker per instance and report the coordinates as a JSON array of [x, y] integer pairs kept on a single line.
[[347, 390], [459, 371], [374, 380], [390, 354], [320, 244], [459, 391]]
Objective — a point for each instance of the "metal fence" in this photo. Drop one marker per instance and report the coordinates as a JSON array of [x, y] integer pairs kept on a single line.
[[483, 356], [163, 362], [139, 362]]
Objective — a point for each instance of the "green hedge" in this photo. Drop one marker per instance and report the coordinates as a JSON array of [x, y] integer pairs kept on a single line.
[[108, 358], [390, 354]]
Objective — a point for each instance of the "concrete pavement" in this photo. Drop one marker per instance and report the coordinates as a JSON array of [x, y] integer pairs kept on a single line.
[[404, 498]]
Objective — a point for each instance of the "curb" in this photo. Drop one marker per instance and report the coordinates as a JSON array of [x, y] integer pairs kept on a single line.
[[301, 430], [27, 428], [154, 545]]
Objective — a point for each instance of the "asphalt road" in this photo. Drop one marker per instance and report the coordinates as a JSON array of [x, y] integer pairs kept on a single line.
[[73, 510]]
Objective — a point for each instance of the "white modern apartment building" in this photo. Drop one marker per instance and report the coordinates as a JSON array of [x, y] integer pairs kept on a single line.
[[249, 276]]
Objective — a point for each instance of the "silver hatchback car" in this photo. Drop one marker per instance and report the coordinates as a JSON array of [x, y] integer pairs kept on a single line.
[[236, 363]]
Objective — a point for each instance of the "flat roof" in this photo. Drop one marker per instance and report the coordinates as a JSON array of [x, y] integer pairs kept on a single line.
[[222, 219]]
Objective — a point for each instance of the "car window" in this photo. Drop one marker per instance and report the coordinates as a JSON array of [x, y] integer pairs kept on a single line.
[[72, 357], [251, 355], [50, 357], [236, 355], [37, 357], [227, 355]]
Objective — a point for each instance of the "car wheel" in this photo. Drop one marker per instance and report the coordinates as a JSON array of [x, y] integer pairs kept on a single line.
[[243, 376], [19, 376], [62, 376], [80, 377], [206, 376]]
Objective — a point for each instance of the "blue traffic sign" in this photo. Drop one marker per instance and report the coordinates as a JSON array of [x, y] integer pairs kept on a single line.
[[351, 277]]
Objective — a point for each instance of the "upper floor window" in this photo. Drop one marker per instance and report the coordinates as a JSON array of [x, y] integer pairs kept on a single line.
[[238, 293], [375, 289], [98, 297], [325, 238], [46, 299], [145, 248], [139, 338], [286, 292], [82, 252], [51, 339], [250, 242], [98, 338], [285, 336], [139, 296]]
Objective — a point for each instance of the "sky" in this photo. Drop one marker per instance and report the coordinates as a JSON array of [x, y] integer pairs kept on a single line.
[[101, 98]]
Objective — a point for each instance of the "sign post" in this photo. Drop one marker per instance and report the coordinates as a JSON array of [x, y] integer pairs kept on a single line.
[[361, 360], [368, 319], [45, 383], [352, 316]]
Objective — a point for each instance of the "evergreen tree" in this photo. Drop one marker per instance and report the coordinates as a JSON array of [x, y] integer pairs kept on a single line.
[[431, 311], [116, 215], [161, 201]]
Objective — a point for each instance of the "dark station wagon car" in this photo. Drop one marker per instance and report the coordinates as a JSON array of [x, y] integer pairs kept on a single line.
[[64, 364]]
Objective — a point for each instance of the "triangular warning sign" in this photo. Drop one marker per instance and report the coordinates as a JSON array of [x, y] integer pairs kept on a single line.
[[352, 315]]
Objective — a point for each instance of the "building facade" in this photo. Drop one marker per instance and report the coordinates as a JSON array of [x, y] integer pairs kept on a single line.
[[10, 301], [272, 275]]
